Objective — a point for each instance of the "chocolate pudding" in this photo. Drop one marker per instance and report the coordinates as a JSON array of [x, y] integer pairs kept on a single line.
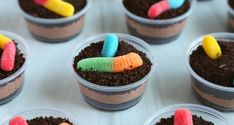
[[153, 33], [112, 99], [56, 33], [11, 89], [163, 28], [211, 99], [50, 27]]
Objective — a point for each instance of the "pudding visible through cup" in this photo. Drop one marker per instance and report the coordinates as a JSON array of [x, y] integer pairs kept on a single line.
[[118, 97], [56, 30], [213, 95], [156, 31], [11, 86]]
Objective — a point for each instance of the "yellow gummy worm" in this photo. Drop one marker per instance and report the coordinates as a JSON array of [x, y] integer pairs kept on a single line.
[[58, 6], [4, 40], [211, 47]]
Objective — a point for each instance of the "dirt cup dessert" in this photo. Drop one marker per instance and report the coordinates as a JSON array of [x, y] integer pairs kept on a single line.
[[112, 70], [210, 60], [40, 117], [187, 114], [157, 21], [13, 51], [230, 4], [54, 20]]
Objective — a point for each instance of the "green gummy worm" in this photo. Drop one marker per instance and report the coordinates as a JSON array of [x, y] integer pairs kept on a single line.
[[100, 64]]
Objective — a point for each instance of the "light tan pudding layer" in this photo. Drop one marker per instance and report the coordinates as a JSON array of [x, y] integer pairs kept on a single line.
[[157, 32], [212, 99], [57, 32], [11, 87], [115, 98]]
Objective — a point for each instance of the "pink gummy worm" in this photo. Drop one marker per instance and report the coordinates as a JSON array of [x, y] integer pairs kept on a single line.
[[183, 117], [18, 120], [158, 8], [8, 57], [40, 2]]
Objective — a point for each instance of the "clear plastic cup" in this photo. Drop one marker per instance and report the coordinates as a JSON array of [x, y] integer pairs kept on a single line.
[[30, 114], [113, 98], [11, 86], [213, 95], [230, 19], [206, 113], [156, 31], [56, 30]]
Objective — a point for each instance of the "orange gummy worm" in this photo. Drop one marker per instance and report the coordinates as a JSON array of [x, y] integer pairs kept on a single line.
[[126, 62]]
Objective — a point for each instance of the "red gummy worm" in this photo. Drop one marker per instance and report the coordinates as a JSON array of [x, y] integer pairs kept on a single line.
[[18, 120], [8, 57], [183, 117], [40, 2], [158, 8]]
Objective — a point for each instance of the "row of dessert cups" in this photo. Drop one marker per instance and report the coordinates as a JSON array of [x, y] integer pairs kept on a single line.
[[152, 31], [211, 88], [206, 113], [64, 29], [207, 87]]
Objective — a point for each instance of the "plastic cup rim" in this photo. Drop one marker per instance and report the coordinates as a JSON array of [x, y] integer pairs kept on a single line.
[[54, 21], [110, 88], [52, 111], [26, 56], [189, 106], [163, 21], [192, 46]]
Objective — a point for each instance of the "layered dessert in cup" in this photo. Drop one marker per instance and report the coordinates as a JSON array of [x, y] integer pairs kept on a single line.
[[182, 114], [113, 90], [40, 117], [162, 28], [212, 76], [14, 59], [48, 26], [230, 7]]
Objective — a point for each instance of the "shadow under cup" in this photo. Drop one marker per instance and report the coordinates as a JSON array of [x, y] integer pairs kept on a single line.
[[216, 96], [11, 86], [118, 97]]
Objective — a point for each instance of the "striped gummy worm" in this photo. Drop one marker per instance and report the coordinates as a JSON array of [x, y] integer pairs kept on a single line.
[[160, 7], [111, 64]]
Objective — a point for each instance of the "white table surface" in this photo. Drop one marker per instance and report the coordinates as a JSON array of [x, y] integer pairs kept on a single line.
[[49, 84]]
